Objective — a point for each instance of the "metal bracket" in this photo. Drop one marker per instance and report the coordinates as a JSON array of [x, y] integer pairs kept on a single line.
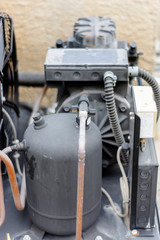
[[32, 234]]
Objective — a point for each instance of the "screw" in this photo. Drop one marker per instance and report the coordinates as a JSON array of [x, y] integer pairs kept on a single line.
[[143, 197], [57, 75], [142, 208], [26, 237], [98, 238], [76, 75], [135, 232]]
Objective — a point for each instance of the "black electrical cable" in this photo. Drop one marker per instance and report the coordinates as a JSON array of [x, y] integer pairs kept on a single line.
[[112, 113], [155, 87]]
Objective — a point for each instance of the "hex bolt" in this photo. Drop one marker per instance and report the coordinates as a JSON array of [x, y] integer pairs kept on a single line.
[[122, 107], [38, 120], [142, 208], [67, 107], [26, 237], [98, 238]]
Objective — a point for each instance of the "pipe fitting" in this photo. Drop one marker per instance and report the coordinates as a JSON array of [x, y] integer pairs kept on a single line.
[[110, 75], [133, 71]]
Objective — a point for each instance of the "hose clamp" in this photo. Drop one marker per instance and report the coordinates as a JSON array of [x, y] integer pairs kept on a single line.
[[110, 75]]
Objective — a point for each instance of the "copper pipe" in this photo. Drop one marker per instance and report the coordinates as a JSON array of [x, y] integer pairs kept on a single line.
[[81, 168], [2, 208], [18, 199], [38, 102]]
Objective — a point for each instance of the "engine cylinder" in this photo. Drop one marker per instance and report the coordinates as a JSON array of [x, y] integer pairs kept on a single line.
[[51, 173]]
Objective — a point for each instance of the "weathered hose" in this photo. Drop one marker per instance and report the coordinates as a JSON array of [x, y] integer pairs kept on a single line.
[[109, 80], [155, 87]]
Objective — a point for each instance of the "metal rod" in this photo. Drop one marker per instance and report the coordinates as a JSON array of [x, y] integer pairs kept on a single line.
[[81, 168], [31, 79], [38, 102]]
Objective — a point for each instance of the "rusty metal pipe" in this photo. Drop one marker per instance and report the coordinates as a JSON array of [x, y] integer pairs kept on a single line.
[[81, 167], [19, 199]]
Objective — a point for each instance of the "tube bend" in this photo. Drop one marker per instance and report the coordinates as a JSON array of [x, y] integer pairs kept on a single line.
[[135, 71], [19, 199], [155, 87]]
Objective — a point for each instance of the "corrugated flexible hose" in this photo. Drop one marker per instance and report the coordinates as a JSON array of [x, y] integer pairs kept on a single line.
[[155, 87], [112, 111]]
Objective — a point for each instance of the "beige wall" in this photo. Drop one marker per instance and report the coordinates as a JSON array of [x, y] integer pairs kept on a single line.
[[38, 23]]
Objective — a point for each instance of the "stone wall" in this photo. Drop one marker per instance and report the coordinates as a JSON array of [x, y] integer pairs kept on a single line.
[[38, 24]]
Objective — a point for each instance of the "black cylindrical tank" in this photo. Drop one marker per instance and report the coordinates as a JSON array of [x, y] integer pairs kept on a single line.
[[51, 173]]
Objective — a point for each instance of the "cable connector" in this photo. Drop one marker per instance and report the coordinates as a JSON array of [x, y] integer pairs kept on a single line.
[[110, 75], [16, 155], [125, 146], [83, 108], [20, 146], [133, 71], [15, 142]]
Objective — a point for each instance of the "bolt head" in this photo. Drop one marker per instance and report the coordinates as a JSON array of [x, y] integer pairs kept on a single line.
[[67, 107], [122, 107], [26, 237], [36, 116], [135, 232], [98, 238]]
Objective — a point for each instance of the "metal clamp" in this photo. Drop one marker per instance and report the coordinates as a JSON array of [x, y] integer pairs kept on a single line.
[[133, 71], [110, 75]]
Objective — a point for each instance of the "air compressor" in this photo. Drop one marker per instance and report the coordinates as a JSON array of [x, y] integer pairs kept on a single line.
[[89, 165]]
